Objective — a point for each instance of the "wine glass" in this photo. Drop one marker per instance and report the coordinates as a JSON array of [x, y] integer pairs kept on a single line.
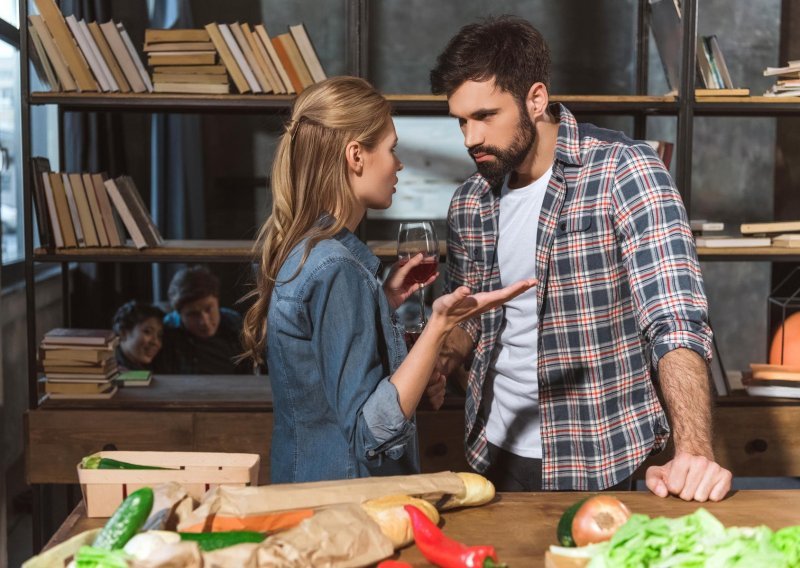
[[412, 239]]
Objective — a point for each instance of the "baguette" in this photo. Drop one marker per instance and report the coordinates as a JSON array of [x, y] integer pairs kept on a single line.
[[477, 491], [393, 520]]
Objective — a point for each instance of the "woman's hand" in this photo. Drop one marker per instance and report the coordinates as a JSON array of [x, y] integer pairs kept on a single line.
[[396, 288], [451, 309]]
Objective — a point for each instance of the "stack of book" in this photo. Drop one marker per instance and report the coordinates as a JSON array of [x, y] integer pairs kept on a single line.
[[258, 63], [773, 380], [85, 209], [184, 61], [788, 80], [79, 363], [73, 55]]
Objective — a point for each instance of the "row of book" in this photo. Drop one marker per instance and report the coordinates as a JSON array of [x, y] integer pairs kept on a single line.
[[714, 79], [72, 55], [787, 80], [89, 210], [785, 234], [257, 63], [79, 363]]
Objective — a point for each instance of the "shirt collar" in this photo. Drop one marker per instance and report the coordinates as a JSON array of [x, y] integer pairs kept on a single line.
[[568, 145], [359, 250]]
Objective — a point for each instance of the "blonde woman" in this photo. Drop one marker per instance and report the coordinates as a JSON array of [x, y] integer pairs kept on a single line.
[[344, 390]]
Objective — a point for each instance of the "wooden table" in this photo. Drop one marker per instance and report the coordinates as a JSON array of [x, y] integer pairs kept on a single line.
[[522, 526]]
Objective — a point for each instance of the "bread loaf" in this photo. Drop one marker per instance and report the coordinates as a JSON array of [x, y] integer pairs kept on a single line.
[[477, 491], [393, 520]]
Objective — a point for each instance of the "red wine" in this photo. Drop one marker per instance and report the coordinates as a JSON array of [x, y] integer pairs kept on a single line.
[[427, 268], [411, 336]]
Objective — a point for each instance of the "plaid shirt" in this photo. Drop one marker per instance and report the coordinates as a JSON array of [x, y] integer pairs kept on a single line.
[[619, 287]]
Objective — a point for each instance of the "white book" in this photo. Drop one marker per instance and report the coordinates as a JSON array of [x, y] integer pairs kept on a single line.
[[230, 41], [263, 36], [88, 53], [773, 391], [793, 67], [702, 225], [51, 209], [732, 242], [99, 56], [126, 39], [308, 52]]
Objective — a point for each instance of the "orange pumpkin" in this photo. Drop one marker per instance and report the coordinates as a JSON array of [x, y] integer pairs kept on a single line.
[[791, 345]]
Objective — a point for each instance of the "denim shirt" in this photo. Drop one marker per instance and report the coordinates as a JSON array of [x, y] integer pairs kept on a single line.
[[332, 346]]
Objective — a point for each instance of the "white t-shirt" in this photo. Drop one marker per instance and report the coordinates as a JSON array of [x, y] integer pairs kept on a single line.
[[513, 421]]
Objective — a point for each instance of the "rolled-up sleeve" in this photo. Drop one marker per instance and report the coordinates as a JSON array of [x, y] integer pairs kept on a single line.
[[660, 256], [344, 310]]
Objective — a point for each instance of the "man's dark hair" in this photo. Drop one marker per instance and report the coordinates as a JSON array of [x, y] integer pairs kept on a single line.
[[507, 48], [191, 284], [131, 314]]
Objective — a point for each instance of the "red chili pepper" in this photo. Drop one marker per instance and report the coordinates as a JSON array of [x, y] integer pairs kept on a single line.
[[446, 552]]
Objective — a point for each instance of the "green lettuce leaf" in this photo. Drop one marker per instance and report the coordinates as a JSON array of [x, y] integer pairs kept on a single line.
[[698, 540]]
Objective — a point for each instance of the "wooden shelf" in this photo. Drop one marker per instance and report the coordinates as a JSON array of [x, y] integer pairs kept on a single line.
[[240, 251], [403, 104], [161, 102], [750, 106], [764, 254], [187, 251]]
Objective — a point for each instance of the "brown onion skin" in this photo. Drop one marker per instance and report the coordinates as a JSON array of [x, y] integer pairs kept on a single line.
[[598, 519]]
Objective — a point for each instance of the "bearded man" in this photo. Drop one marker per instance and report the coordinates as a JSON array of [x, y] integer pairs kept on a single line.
[[562, 390]]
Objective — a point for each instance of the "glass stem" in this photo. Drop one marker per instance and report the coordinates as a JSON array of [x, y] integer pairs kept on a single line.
[[422, 305]]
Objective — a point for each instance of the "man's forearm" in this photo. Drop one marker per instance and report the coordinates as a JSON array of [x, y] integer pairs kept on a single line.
[[683, 376]]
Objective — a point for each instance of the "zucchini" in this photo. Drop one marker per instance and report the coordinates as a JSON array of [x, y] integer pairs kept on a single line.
[[126, 520], [215, 540], [97, 462], [564, 530]]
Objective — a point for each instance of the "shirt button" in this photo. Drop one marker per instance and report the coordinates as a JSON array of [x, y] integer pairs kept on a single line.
[[371, 453], [563, 226]]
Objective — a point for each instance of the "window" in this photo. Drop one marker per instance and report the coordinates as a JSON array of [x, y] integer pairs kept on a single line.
[[10, 166]]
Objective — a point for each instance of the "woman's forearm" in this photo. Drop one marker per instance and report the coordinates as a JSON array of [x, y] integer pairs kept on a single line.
[[411, 378]]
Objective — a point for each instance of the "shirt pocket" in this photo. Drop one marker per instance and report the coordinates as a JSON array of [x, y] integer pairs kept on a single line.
[[575, 225]]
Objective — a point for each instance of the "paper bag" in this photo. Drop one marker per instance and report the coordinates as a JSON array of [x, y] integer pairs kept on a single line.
[[254, 507]]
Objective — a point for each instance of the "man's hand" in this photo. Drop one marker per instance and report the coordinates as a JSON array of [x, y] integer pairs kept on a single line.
[[436, 390], [690, 477]]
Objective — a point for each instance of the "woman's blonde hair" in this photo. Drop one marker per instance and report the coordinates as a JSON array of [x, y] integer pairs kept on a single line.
[[309, 179]]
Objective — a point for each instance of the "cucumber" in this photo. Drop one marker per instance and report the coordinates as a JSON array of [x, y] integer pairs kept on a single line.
[[214, 540], [126, 520], [564, 530], [97, 462]]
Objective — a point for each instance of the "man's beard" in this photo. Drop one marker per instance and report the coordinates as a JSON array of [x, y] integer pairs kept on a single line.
[[506, 159]]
